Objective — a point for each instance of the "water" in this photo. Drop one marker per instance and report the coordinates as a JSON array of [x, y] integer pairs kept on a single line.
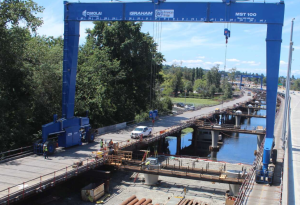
[[172, 143], [241, 149], [235, 149]]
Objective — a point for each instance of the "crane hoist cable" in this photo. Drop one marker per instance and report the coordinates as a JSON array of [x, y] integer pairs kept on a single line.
[[151, 51]]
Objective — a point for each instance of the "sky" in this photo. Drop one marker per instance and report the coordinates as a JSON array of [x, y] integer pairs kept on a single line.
[[201, 44]]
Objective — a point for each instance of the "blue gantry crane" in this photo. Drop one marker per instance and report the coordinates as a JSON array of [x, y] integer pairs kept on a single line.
[[70, 129], [252, 76]]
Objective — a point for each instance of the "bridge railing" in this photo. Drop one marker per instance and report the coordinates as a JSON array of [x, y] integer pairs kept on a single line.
[[15, 153]]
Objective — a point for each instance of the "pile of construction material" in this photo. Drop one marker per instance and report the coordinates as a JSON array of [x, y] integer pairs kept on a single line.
[[134, 201]]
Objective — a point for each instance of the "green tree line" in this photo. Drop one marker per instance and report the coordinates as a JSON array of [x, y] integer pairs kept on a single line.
[[181, 81]]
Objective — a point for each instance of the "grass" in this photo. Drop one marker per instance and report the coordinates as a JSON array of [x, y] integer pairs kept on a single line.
[[187, 130], [195, 101]]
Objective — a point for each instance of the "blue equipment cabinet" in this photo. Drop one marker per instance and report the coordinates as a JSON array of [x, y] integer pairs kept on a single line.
[[150, 114], [155, 113]]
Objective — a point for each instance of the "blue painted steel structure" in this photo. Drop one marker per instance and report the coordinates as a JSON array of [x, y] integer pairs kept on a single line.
[[228, 11], [251, 76]]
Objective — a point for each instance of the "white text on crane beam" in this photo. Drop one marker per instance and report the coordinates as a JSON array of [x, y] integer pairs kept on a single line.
[[244, 14]]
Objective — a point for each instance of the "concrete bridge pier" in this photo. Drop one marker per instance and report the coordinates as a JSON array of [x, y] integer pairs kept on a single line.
[[236, 134], [224, 118], [238, 118], [248, 120], [213, 155], [259, 141], [194, 138], [178, 136], [234, 189], [250, 111], [217, 118], [214, 140], [161, 145]]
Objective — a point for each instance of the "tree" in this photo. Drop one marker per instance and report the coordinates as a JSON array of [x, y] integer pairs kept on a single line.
[[296, 85], [213, 77], [193, 75], [231, 75], [118, 71], [212, 90], [188, 86], [177, 82], [200, 86], [15, 86], [201, 73], [227, 90], [197, 73]]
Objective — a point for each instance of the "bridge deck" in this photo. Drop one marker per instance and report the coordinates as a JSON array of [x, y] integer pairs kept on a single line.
[[15, 173]]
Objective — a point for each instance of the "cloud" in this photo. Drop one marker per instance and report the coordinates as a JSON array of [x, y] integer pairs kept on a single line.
[[252, 63], [201, 57], [233, 60], [248, 62], [283, 63], [194, 63], [185, 62], [195, 41], [296, 47], [218, 62]]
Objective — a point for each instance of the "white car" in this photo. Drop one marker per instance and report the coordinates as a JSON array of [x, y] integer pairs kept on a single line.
[[141, 131]]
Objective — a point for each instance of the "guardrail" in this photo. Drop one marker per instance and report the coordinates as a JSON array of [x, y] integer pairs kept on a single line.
[[15, 153]]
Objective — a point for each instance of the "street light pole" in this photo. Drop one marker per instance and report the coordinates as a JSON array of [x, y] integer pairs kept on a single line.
[[287, 87], [185, 95]]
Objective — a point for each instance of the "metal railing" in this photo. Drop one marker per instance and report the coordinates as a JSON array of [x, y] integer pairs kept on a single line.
[[15, 153]]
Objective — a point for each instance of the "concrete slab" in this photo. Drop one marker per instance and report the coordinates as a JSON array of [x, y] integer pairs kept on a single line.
[[294, 147]]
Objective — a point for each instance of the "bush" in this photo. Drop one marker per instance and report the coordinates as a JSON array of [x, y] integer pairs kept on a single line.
[[141, 117]]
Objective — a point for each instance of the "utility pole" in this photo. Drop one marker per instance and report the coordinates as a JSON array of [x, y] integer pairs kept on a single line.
[[287, 87], [185, 95]]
